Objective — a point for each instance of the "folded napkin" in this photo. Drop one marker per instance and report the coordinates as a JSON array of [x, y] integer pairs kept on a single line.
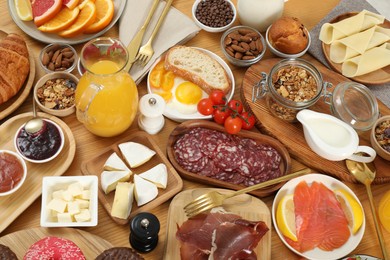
[[177, 28], [382, 92]]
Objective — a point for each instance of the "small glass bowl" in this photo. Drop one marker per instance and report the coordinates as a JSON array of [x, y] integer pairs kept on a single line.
[[242, 62], [24, 166], [380, 150], [355, 104], [58, 46], [209, 28]]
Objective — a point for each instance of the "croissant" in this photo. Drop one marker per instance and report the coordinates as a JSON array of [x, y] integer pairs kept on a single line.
[[14, 66]]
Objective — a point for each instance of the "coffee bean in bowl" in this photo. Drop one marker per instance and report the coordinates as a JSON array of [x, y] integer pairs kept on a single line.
[[58, 57], [214, 15], [243, 45]]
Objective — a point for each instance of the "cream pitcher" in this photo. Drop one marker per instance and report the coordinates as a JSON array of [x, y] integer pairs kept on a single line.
[[106, 95]]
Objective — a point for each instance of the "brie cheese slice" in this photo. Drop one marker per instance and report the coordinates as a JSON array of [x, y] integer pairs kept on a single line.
[[136, 154], [145, 191], [158, 175], [109, 179], [123, 200], [115, 163]]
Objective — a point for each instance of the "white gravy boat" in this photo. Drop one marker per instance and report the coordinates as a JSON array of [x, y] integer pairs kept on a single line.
[[331, 138]]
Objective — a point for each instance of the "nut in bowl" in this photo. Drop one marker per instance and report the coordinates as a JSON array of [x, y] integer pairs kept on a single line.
[[55, 93], [287, 37], [69, 201], [13, 172], [380, 137], [41, 147], [205, 16], [58, 57], [243, 45]]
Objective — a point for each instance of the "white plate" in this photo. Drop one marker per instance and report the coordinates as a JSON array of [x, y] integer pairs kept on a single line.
[[30, 29], [180, 117], [331, 183]]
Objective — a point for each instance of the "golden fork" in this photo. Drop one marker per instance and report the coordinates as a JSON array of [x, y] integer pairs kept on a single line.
[[146, 52], [133, 46], [213, 199]]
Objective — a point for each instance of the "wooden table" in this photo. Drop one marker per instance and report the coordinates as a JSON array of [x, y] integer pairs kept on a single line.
[[309, 12]]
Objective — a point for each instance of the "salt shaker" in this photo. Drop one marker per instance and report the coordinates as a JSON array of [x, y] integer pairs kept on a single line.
[[144, 228], [151, 119]]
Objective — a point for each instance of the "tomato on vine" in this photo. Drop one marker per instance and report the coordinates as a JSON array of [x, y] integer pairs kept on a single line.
[[218, 97], [220, 114], [233, 124], [236, 106], [205, 106], [248, 120]]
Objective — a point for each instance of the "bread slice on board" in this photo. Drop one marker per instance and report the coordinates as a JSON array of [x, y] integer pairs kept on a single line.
[[198, 67]]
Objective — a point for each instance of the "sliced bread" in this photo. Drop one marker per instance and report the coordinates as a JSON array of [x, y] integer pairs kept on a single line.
[[196, 66]]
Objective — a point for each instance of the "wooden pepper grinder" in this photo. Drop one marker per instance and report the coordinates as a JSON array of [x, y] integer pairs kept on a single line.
[[144, 228], [151, 118]]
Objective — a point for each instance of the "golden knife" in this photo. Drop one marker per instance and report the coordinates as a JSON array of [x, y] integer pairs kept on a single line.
[[135, 43]]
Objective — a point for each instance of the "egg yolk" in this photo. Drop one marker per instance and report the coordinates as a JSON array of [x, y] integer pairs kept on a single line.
[[188, 93]]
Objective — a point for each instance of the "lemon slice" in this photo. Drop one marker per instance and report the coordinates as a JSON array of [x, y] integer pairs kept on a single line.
[[352, 209], [285, 217], [24, 10]]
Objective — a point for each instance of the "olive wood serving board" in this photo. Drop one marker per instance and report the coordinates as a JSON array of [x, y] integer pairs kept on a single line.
[[244, 205], [12, 104], [291, 134], [20, 241], [13, 205], [95, 167], [259, 138]]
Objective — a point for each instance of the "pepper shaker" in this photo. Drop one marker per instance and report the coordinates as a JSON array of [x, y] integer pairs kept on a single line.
[[151, 118], [144, 228]]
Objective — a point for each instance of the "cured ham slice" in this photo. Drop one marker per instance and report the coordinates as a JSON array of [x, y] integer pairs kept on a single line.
[[319, 219], [219, 236]]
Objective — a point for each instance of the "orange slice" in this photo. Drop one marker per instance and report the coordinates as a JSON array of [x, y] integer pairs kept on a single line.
[[61, 21], [104, 14], [85, 18], [71, 4], [83, 2], [45, 10]]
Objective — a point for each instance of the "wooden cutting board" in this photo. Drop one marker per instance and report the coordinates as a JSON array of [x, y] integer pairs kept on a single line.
[[247, 206], [291, 134], [19, 242]]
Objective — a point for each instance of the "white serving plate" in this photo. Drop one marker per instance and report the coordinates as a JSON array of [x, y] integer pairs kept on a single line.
[[180, 117], [331, 183], [53, 183], [30, 29]]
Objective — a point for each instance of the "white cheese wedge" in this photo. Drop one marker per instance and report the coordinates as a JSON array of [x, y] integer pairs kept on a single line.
[[83, 216], [145, 191], [75, 189], [123, 200], [58, 205], [109, 179], [64, 217], [136, 154], [115, 163], [158, 175]]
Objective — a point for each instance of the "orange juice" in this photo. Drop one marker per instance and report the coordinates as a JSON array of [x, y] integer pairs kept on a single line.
[[384, 211], [106, 98]]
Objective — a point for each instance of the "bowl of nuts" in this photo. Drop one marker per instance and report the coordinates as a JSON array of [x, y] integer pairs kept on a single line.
[[214, 15], [58, 57], [243, 45], [55, 93], [380, 137]]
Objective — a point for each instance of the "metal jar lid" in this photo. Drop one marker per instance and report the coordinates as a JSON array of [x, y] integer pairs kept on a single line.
[[144, 228]]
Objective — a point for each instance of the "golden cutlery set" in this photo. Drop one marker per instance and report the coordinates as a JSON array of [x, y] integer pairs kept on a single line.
[[143, 54]]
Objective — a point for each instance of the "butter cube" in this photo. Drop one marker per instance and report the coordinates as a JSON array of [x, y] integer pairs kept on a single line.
[[83, 216], [85, 195], [57, 194], [75, 189], [83, 204], [58, 205], [67, 196], [64, 217], [73, 207]]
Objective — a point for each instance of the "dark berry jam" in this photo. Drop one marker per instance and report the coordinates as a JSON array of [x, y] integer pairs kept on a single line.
[[41, 146]]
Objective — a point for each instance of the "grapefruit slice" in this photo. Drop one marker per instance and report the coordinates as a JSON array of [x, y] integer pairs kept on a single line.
[[45, 10], [61, 21], [104, 14], [85, 18], [71, 4]]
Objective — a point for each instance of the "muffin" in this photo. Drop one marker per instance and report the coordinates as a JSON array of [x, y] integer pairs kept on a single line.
[[288, 35]]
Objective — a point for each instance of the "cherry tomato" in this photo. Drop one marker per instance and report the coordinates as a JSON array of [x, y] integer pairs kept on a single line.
[[248, 120], [218, 97], [236, 106], [220, 114], [233, 124], [205, 106]]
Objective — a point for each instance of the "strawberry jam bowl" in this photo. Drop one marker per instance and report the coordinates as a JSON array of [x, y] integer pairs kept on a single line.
[[13, 172], [40, 147]]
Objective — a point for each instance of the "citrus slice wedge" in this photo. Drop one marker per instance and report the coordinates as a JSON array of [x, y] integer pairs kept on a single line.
[[285, 217], [65, 18], [104, 14], [71, 4], [24, 10], [352, 209], [45, 10]]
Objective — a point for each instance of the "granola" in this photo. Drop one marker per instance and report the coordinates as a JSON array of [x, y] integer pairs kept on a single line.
[[382, 134], [57, 93]]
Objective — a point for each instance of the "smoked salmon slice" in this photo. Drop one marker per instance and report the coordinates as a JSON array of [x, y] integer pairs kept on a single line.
[[319, 219]]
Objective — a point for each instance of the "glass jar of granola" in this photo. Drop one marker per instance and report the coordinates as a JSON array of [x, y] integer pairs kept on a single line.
[[292, 85]]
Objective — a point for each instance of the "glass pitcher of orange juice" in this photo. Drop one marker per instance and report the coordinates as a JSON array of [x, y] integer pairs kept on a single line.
[[106, 95]]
